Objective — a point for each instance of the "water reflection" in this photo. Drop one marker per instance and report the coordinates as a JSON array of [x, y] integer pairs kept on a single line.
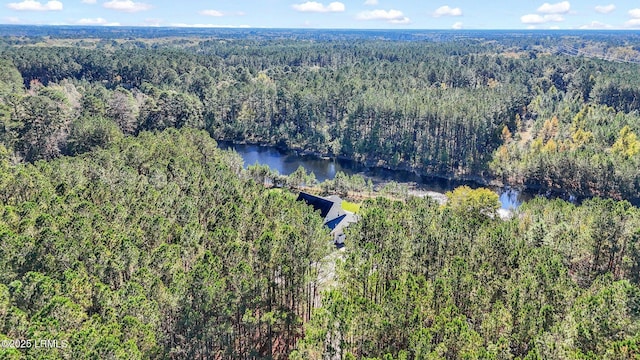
[[512, 198], [286, 162]]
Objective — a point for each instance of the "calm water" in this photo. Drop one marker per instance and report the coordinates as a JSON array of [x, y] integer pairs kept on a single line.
[[286, 162]]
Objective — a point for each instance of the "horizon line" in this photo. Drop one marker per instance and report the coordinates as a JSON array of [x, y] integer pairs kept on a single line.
[[248, 27]]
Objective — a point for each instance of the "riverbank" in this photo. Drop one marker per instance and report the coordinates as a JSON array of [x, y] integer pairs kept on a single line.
[[380, 172], [360, 196], [371, 163], [286, 161]]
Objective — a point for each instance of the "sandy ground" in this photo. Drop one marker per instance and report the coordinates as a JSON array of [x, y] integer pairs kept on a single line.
[[439, 197]]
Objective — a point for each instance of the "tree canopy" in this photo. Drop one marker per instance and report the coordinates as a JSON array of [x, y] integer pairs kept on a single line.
[[126, 233]]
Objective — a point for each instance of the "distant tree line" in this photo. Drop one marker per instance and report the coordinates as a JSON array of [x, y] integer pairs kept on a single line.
[[443, 108]]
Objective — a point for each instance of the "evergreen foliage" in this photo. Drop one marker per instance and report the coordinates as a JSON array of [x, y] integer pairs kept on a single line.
[[422, 281], [125, 233], [507, 107], [154, 248]]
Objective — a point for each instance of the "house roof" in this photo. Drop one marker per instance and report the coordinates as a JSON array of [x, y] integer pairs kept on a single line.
[[343, 221], [318, 203], [333, 223]]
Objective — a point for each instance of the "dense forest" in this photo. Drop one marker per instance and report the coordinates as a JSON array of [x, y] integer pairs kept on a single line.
[[126, 233], [517, 109], [154, 248], [421, 281], [161, 246]]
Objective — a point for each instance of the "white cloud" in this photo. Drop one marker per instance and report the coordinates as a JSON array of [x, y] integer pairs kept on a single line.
[[215, 13], [312, 6], [391, 16], [371, 2], [633, 23], [605, 9], [209, 26], [89, 1], [558, 8], [31, 5], [457, 25], [402, 21], [447, 11], [540, 19], [634, 13], [596, 25], [126, 6], [550, 13], [96, 21], [532, 19], [12, 19], [89, 21]]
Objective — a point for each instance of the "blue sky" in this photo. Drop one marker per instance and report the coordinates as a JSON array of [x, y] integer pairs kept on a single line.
[[356, 14]]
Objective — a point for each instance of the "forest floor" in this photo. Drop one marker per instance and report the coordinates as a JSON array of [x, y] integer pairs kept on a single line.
[[327, 271], [356, 197], [327, 274], [439, 197]]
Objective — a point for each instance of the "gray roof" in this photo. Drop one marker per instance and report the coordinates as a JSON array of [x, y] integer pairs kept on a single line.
[[318, 203]]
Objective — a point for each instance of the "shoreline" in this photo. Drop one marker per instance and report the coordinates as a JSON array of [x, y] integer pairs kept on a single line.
[[474, 181], [375, 164]]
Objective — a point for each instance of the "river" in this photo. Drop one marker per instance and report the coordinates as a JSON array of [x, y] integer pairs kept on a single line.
[[286, 162]]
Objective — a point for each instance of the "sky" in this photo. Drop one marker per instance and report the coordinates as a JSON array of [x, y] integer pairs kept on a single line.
[[344, 14]]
